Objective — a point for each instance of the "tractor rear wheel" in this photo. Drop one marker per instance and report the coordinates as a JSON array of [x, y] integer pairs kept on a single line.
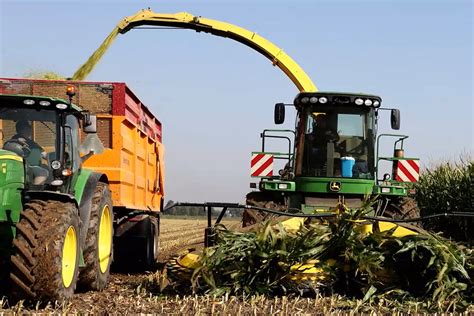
[[45, 259], [98, 248]]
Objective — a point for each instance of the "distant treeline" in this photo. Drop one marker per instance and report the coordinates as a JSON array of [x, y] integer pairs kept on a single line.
[[197, 210]]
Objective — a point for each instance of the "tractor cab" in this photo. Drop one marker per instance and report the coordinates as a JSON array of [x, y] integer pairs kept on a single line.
[[43, 133]]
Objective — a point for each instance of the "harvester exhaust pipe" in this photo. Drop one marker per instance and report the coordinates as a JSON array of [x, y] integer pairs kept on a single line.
[[399, 153]]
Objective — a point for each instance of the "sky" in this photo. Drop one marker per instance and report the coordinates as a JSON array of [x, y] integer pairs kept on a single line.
[[214, 96]]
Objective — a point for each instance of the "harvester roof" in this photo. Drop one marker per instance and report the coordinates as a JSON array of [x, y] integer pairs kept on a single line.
[[337, 98]]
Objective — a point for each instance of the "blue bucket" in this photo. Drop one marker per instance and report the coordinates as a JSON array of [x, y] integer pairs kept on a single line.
[[346, 166]]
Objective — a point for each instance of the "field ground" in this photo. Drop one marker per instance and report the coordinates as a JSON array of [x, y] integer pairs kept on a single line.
[[134, 293]]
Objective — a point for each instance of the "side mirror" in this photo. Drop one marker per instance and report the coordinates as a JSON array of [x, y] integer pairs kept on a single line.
[[90, 124], [279, 117], [395, 119]]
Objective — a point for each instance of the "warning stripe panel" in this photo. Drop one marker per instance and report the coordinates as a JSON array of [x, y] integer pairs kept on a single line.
[[408, 170], [261, 165], [413, 165], [256, 158]]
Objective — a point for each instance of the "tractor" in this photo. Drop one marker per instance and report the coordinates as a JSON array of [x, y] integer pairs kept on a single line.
[[56, 218], [333, 160]]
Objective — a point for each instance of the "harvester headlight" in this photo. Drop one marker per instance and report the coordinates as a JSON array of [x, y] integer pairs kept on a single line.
[[45, 103], [313, 100], [368, 102], [359, 101], [323, 100], [385, 190], [61, 106], [304, 100], [29, 102], [282, 186], [376, 103], [56, 164], [57, 182]]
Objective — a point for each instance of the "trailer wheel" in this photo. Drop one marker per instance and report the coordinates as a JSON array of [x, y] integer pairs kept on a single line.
[[152, 244], [45, 259], [98, 248], [138, 248]]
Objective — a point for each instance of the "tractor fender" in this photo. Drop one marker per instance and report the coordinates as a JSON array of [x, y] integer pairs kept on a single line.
[[50, 195], [84, 190]]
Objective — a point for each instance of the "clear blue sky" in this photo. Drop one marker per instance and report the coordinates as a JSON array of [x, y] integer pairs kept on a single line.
[[214, 96]]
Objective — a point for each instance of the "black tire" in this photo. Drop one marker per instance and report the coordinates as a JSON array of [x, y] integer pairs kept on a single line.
[[92, 276], [252, 217], [152, 246], [37, 259], [403, 208], [138, 248]]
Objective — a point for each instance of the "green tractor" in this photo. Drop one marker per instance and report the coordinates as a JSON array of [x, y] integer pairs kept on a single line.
[[56, 218], [333, 160]]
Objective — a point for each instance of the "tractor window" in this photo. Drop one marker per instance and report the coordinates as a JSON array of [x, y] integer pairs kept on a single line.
[[30, 134], [337, 144], [72, 143]]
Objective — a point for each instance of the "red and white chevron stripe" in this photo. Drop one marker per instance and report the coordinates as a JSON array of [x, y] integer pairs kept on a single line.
[[261, 165], [408, 171]]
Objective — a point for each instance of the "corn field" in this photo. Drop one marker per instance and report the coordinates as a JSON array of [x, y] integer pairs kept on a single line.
[[448, 188], [140, 293]]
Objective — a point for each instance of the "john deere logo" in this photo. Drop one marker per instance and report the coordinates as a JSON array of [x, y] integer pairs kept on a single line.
[[335, 186]]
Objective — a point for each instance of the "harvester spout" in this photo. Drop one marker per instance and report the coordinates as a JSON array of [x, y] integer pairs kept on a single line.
[[218, 28]]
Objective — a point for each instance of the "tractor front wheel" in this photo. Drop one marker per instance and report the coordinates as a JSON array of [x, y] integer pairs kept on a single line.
[[45, 259]]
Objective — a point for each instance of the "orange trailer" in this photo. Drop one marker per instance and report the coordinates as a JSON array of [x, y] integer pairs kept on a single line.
[[132, 160]]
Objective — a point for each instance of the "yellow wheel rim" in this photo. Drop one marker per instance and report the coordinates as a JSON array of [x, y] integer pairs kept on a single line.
[[105, 238], [69, 256]]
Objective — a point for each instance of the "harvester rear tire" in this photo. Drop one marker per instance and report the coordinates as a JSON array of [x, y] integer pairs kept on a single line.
[[95, 274], [45, 259]]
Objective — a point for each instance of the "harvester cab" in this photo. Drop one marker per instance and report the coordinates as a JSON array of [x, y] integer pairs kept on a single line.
[[333, 158]]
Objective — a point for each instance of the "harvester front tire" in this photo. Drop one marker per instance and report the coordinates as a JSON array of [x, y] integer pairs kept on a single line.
[[98, 248], [403, 208], [262, 200], [45, 259]]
